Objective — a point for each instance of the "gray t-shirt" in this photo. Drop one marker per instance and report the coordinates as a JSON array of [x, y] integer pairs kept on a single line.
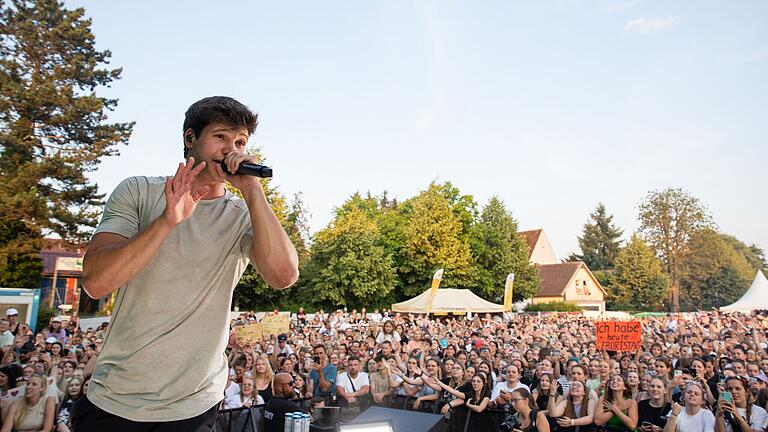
[[163, 355]]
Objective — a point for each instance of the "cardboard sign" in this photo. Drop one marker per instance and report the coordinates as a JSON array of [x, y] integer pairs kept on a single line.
[[249, 333], [619, 336], [274, 325]]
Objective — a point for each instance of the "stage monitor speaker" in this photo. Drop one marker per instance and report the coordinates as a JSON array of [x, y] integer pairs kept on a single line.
[[402, 420], [376, 426]]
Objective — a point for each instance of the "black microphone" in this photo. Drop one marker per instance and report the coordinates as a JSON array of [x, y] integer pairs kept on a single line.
[[252, 169]]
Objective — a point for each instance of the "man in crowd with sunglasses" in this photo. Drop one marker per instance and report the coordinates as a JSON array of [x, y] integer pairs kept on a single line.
[[279, 405]]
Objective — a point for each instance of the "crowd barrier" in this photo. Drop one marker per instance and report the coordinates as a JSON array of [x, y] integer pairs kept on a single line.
[[252, 419]]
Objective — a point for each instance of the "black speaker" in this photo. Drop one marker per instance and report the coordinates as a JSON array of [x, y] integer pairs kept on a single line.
[[403, 421]]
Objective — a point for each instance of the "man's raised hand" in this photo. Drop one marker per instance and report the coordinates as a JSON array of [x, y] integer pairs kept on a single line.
[[180, 197]]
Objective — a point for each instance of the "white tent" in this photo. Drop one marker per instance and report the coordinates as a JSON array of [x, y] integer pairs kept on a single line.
[[448, 300], [756, 296]]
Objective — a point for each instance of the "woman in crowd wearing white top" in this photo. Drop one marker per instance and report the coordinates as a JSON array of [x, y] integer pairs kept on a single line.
[[742, 410], [34, 412], [694, 417], [247, 396], [388, 333]]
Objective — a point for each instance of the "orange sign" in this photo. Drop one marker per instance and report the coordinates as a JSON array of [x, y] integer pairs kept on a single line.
[[619, 336]]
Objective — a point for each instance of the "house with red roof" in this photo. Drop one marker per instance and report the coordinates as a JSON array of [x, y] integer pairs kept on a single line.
[[570, 282]]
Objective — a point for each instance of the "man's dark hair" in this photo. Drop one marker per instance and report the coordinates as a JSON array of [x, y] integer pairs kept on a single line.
[[353, 358], [218, 109], [319, 346]]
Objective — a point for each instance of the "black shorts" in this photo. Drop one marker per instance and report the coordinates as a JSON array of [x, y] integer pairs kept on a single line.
[[87, 417]]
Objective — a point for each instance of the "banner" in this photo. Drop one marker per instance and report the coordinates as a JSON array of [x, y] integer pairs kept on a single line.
[[69, 264], [619, 335], [249, 333], [508, 292], [274, 325]]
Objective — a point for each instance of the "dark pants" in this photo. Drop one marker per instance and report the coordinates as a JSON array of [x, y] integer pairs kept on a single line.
[[87, 417]]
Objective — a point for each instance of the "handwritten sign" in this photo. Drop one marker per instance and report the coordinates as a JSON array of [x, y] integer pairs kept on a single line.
[[249, 333], [619, 336], [276, 324]]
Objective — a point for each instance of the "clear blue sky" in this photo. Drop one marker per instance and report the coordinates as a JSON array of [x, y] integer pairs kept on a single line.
[[552, 106]]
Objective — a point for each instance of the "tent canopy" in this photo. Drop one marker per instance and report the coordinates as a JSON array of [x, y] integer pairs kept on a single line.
[[448, 300], [756, 296]]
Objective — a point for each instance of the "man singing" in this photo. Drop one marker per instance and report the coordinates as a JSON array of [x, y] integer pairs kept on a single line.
[[175, 248]]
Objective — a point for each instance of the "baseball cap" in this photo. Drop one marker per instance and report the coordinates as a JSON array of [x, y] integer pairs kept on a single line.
[[11, 311], [56, 319], [282, 337], [51, 340]]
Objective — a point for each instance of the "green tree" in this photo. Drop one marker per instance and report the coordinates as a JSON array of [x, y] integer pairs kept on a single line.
[[251, 292], [713, 273], [600, 241], [638, 281], [668, 219], [752, 253], [349, 266], [434, 238], [53, 131], [498, 250]]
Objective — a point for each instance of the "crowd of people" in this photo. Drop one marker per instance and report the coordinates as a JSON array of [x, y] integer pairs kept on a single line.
[[694, 372], [697, 372]]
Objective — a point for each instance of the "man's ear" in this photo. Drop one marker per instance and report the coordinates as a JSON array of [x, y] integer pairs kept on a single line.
[[189, 138]]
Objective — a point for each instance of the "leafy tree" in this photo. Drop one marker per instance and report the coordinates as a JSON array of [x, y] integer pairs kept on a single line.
[[600, 241], [668, 219], [349, 267], [553, 307], [498, 250], [251, 292], [713, 273], [638, 281], [434, 239], [53, 130], [752, 253]]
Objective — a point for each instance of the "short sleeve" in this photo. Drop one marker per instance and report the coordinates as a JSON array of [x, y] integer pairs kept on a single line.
[[121, 214]]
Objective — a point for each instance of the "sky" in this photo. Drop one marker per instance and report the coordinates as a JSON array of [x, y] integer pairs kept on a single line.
[[552, 106]]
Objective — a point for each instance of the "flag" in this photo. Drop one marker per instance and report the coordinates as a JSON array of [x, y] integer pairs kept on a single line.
[[433, 290], [508, 292]]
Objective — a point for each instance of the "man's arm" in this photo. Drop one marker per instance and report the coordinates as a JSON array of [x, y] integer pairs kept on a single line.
[[272, 252], [112, 260]]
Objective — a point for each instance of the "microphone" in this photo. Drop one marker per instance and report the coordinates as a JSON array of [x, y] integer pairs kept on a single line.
[[252, 169]]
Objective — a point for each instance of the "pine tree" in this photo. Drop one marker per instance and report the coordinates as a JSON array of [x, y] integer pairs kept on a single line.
[[53, 131], [600, 241], [498, 250]]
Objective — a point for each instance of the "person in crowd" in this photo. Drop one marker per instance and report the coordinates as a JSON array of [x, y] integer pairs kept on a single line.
[[388, 333], [378, 376], [652, 412], [248, 396], [502, 391], [633, 382], [34, 412], [353, 386], [279, 405], [544, 391], [74, 392], [616, 410], [262, 377], [576, 411], [692, 416], [323, 375], [740, 413], [526, 417], [231, 393]]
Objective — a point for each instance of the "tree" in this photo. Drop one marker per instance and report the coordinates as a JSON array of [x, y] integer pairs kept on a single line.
[[434, 239], [638, 281], [668, 219], [713, 273], [251, 292], [600, 241], [752, 253], [53, 131], [349, 267], [498, 250]]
